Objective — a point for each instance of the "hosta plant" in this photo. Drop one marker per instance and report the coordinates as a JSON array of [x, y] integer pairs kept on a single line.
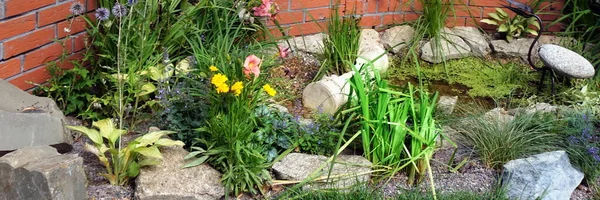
[[514, 27], [123, 162]]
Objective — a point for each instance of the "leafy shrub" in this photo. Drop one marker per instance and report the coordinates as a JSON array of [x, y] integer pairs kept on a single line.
[[124, 162], [582, 141], [514, 27], [498, 141]]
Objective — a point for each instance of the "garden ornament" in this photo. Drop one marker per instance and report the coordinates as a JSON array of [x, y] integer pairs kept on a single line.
[[556, 59]]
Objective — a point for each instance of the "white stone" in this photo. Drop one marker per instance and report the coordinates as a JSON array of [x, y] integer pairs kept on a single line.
[[374, 57], [310, 43], [566, 62], [548, 176], [397, 37], [447, 104], [451, 47], [368, 39]]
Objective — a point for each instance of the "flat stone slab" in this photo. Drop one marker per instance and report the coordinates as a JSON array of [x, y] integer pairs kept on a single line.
[[566, 62], [310, 43], [41, 173], [518, 48], [348, 170], [450, 47], [169, 181], [397, 37], [475, 39], [27, 120], [546, 176]]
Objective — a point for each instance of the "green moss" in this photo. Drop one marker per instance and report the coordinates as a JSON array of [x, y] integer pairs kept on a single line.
[[483, 78]]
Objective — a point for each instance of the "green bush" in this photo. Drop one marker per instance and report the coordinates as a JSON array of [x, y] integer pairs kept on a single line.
[[499, 141], [581, 140]]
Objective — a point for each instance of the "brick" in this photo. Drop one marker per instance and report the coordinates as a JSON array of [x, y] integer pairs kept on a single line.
[[302, 4], [284, 5], [370, 21], [290, 17], [360, 6], [392, 19], [318, 14], [79, 41], [467, 11], [17, 26], [68, 62], [455, 21], [45, 54], [56, 13], [27, 80], [410, 16], [492, 3], [15, 7], [30, 41], [75, 25], [307, 28], [91, 4], [10, 67]]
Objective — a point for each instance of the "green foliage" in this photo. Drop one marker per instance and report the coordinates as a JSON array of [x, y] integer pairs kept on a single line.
[[397, 128], [485, 79], [582, 20], [581, 139], [514, 27], [340, 48], [124, 162], [498, 140]]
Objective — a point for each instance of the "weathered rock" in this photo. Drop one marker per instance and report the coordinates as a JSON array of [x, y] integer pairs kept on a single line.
[[297, 167], [447, 104], [27, 120], [375, 57], [368, 38], [566, 62], [538, 107], [397, 37], [518, 48], [169, 181], [551, 39], [500, 115], [41, 173], [450, 47], [548, 176], [328, 94], [309, 43], [475, 39]]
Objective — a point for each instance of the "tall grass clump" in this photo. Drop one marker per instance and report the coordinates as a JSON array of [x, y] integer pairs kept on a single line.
[[498, 140], [340, 48], [397, 129]]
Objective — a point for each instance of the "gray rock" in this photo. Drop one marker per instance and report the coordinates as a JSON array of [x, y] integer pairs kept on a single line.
[[395, 38], [309, 43], [27, 120], [297, 167], [475, 39], [538, 107], [201, 182], [451, 47], [368, 38], [548, 176], [551, 39], [500, 115], [447, 104], [518, 48], [566, 62], [41, 173]]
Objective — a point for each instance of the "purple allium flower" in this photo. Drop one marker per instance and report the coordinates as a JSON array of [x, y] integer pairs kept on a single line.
[[593, 150], [102, 14], [77, 8], [119, 10], [131, 2], [596, 157]]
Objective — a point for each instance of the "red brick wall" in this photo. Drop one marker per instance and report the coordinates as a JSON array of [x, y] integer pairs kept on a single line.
[[300, 17], [29, 28], [33, 34]]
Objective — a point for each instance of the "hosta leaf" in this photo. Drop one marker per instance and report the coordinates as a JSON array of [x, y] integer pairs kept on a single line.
[[535, 23], [501, 13], [150, 152], [92, 149], [509, 38], [146, 89], [196, 162], [115, 135], [503, 28], [168, 142], [105, 126], [149, 162], [489, 21], [93, 134], [532, 32], [183, 66], [133, 170], [495, 16], [151, 138]]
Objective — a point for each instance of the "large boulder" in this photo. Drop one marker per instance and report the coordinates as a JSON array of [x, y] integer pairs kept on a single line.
[[27, 120], [348, 170], [475, 39], [397, 37], [546, 176], [566, 62], [450, 47], [169, 181], [41, 173], [518, 48], [310, 43]]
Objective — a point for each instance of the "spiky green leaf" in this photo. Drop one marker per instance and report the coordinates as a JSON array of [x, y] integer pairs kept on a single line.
[[196, 162]]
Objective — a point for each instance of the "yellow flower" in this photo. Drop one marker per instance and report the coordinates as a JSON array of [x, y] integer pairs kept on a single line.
[[212, 68], [218, 79], [237, 88], [269, 90], [223, 88]]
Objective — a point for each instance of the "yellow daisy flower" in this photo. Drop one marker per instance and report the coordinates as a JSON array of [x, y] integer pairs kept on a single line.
[[269, 90], [237, 88], [218, 79], [212, 68], [223, 88]]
